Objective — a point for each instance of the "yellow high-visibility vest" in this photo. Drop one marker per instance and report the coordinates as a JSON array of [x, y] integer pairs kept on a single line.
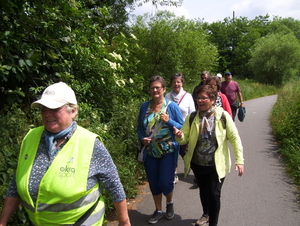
[[62, 197]]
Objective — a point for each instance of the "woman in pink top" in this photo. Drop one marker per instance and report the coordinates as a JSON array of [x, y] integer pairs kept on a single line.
[[222, 100]]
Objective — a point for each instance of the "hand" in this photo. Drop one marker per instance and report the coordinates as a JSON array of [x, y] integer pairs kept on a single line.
[[146, 141], [177, 132], [240, 168], [242, 105], [164, 117]]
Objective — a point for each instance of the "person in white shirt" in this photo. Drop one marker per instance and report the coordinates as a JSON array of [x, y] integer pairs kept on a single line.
[[185, 102], [178, 95]]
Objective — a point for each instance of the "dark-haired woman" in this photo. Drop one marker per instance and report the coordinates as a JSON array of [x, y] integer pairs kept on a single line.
[[156, 121], [208, 153]]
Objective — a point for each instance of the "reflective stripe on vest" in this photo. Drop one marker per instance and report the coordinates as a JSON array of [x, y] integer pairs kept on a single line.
[[88, 199], [62, 197]]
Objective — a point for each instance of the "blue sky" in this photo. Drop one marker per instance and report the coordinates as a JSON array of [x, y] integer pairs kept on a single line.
[[217, 10]]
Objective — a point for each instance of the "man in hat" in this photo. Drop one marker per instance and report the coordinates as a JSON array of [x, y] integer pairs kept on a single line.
[[231, 89]]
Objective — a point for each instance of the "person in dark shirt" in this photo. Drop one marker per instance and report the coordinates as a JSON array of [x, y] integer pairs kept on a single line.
[[203, 76]]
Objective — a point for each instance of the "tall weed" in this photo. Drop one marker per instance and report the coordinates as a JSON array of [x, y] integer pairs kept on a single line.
[[286, 126]]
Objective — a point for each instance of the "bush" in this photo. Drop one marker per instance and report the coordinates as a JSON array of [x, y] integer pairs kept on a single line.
[[13, 127], [286, 126]]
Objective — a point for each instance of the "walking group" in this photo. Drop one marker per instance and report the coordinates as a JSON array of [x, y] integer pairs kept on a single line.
[[196, 126], [62, 167]]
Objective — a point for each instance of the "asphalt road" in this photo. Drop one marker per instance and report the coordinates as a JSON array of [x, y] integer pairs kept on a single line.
[[263, 196]]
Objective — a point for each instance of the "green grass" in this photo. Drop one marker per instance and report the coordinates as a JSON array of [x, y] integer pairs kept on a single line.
[[286, 127]]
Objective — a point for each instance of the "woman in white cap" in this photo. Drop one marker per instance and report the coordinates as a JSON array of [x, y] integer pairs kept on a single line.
[[62, 169]]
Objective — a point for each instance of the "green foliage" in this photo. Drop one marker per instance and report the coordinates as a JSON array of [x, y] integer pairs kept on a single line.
[[13, 127], [275, 58], [233, 39], [286, 126], [171, 44], [251, 89]]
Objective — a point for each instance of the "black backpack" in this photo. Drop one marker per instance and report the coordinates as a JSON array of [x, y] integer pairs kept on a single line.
[[223, 118]]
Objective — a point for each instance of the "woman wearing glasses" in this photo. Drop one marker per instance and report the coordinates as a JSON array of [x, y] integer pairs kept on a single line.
[[62, 169], [208, 153], [156, 121], [185, 102]]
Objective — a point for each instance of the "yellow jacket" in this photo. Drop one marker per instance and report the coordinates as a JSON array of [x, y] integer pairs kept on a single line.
[[222, 154]]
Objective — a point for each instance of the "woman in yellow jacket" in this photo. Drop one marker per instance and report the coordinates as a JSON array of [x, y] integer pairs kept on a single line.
[[208, 153]]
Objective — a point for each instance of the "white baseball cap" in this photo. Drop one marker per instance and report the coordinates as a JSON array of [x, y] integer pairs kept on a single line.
[[219, 75], [55, 96]]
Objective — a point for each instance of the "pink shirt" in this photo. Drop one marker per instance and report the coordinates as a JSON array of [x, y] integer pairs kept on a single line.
[[230, 90]]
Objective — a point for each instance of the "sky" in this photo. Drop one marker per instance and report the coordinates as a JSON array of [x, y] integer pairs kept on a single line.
[[216, 10]]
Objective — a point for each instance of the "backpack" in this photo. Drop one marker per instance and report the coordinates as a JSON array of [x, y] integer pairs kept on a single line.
[[223, 118]]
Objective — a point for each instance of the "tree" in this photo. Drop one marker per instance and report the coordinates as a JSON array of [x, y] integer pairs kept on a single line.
[[234, 38], [72, 41], [171, 44], [275, 58]]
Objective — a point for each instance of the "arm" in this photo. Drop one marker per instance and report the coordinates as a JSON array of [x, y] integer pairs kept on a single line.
[[225, 104], [140, 128], [239, 94], [10, 206], [121, 208], [235, 140], [175, 118]]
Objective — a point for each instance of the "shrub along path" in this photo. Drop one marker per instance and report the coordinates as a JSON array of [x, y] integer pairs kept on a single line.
[[263, 196]]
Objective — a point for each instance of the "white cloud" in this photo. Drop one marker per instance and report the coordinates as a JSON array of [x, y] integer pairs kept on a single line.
[[217, 10]]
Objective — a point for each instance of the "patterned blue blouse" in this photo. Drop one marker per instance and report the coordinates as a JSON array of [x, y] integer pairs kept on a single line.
[[102, 169]]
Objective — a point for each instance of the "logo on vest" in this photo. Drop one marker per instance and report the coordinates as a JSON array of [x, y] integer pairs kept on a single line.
[[66, 172]]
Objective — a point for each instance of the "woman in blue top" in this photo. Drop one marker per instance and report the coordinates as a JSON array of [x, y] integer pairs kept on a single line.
[[156, 120]]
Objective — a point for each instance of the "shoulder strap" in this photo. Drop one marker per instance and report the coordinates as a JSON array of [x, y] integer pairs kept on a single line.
[[192, 116], [223, 120], [181, 98]]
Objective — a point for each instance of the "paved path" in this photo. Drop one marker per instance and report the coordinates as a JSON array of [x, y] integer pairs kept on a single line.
[[263, 196]]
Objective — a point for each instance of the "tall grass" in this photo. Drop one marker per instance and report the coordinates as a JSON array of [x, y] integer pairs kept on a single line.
[[286, 126]]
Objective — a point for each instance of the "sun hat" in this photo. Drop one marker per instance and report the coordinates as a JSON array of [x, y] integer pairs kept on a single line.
[[55, 96], [219, 75]]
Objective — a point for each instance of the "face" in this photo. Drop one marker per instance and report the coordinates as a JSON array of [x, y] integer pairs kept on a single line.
[[176, 85], [213, 84], [56, 120], [204, 103], [156, 90], [203, 78], [228, 78]]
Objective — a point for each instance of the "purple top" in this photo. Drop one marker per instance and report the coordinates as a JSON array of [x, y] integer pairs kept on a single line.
[[230, 90]]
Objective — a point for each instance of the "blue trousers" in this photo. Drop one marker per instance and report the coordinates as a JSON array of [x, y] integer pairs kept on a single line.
[[160, 173]]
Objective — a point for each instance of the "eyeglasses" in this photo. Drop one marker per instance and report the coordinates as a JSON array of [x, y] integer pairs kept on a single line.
[[202, 98], [203, 78], [156, 88]]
